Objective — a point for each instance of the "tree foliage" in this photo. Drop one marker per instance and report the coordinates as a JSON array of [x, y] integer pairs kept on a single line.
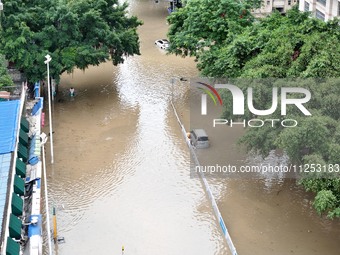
[[293, 46], [75, 33], [5, 78], [202, 26]]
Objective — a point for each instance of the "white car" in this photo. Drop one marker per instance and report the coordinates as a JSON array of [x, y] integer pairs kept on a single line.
[[162, 43], [199, 138]]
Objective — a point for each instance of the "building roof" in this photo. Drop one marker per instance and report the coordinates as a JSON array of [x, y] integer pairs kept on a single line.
[[9, 112], [9, 124]]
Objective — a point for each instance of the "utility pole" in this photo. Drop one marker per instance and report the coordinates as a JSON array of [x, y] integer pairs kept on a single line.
[[47, 61]]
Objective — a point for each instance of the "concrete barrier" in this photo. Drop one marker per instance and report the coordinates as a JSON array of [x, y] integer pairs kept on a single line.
[[207, 188]]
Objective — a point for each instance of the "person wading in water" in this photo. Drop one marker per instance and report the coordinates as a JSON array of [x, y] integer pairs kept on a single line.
[[72, 92]]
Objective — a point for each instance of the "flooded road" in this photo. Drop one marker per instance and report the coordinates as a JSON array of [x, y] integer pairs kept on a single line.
[[266, 214], [121, 171], [121, 175]]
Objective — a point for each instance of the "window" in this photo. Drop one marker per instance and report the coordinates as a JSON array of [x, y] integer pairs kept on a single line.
[[319, 15], [289, 2], [323, 2], [203, 138], [306, 6], [194, 135], [268, 2]]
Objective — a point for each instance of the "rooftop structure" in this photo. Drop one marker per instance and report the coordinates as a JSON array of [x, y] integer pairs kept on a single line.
[[20, 173]]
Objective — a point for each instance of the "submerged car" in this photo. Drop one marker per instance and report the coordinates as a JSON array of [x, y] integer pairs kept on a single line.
[[199, 138], [162, 43]]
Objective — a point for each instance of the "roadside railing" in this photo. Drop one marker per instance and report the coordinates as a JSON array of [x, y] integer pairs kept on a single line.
[[207, 188]]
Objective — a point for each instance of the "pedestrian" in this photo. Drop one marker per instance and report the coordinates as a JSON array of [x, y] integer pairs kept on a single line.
[[72, 92]]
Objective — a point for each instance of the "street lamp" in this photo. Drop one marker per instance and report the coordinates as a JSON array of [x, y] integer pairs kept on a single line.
[[43, 137], [173, 81], [47, 61]]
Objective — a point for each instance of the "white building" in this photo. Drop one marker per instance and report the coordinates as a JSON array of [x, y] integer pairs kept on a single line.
[[321, 9], [268, 6]]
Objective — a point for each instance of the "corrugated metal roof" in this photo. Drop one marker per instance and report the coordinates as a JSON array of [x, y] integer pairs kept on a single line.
[[9, 111], [9, 124], [5, 163]]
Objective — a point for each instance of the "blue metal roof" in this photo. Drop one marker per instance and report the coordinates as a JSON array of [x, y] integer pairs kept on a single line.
[[5, 163], [9, 122]]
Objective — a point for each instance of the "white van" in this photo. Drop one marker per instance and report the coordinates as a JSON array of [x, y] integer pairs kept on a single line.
[[199, 138]]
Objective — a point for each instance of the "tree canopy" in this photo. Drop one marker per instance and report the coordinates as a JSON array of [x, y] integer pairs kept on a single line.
[[229, 42], [313, 145], [202, 26], [75, 34], [5, 78]]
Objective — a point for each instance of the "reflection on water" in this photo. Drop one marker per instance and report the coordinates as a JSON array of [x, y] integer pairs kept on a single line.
[[121, 168], [121, 172]]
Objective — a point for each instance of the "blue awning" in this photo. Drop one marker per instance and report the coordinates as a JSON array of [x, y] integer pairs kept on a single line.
[[34, 228], [37, 89], [38, 105], [9, 122]]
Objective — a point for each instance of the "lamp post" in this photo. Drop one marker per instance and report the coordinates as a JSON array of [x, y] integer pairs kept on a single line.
[[43, 141], [47, 61], [173, 82]]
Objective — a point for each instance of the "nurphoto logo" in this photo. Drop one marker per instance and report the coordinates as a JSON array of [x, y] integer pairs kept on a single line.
[[209, 90], [238, 104]]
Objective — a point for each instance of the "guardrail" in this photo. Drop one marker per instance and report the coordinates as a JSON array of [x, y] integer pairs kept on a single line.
[[207, 188]]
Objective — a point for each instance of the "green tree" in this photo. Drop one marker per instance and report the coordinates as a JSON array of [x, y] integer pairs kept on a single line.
[[294, 46], [227, 42], [202, 25], [5, 78], [289, 46], [75, 33], [278, 46], [314, 144]]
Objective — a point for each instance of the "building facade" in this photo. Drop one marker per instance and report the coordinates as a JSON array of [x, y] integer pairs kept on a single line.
[[268, 6], [321, 9]]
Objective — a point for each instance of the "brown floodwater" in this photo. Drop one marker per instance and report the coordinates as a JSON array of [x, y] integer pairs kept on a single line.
[[266, 214], [121, 172]]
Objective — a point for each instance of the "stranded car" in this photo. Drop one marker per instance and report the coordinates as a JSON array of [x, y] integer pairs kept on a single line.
[[199, 138], [162, 43]]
